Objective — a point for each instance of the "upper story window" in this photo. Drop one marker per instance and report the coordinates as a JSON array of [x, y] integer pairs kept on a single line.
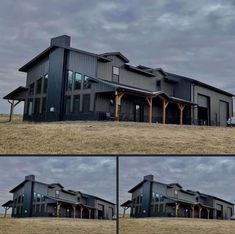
[[77, 81], [69, 84], [115, 75], [38, 197], [158, 84], [45, 83], [57, 193], [31, 89], [86, 83], [39, 86]]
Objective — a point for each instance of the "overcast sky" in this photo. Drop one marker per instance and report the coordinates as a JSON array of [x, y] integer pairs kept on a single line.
[[192, 38], [210, 175], [92, 175]]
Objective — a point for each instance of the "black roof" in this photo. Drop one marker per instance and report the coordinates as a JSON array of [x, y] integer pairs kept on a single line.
[[12, 95], [127, 203], [8, 204], [119, 54]]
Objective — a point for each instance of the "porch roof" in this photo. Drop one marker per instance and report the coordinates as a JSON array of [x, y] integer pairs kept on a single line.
[[18, 94], [144, 92], [69, 202], [127, 203], [8, 204]]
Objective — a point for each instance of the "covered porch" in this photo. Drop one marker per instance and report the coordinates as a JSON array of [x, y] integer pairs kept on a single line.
[[14, 98], [7, 206], [126, 103]]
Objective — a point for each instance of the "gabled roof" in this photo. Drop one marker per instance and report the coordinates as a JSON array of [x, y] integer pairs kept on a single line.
[[176, 184], [17, 94], [136, 69], [119, 54], [55, 184]]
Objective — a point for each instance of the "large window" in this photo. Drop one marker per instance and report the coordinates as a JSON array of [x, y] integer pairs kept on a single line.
[[86, 103], [86, 83], [45, 83], [31, 89], [37, 106], [116, 74], [69, 84], [39, 86], [77, 81], [38, 197], [76, 104], [30, 106], [68, 104]]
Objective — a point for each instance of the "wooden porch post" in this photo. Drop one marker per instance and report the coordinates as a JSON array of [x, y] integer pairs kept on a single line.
[[200, 212], [74, 212], [58, 209], [81, 209], [89, 210], [177, 206], [13, 104], [118, 98], [164, 106], [150, 104], [5, 215], [181, 108], [192, 206], [208, 213]]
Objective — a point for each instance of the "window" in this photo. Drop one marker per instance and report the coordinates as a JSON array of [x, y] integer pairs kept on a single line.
[[158, 84], [77, 81], [141, 198], [34, 197], [68, 104], [115, 74], [157, 198], [69, 85], [37, 106], [76, 103], [86, 103], [44, 107], [57, 193], [22, 198], [31, 89], [39, 86], [138, 199], [45, 83], [161, 208], [42, 198], [156, 207], [38, 197], [19, 199], [86, 83], [30, 106]]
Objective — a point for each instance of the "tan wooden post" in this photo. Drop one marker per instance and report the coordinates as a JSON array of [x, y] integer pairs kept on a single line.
[[89, 210], [192, 206], [118, 98], [208, 213], [181, 108], [150, 104], [5, 215], [58, 209], [200, 210], [177, 206], [164, 106], [81, 209], [74, 212]]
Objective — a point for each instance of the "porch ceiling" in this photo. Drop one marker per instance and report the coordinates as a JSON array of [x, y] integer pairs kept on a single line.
[[18, 94]]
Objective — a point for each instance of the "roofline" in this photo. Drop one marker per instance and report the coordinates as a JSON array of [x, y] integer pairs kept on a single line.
[[15, 91], [117, 53], [139, 70], [194, 81]]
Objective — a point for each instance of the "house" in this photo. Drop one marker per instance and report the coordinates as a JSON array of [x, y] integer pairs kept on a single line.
[[151, 198], [64, 83], [32, 198]]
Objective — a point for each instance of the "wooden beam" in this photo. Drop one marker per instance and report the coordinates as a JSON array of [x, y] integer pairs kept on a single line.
[[118, 98], [74, 212], [150, 104], [81, 211], [13, 105], [89, 210], [208, 213], [177, 206], [164, 106], [181, 108], [192, 206], [200, 212], [58, 209]]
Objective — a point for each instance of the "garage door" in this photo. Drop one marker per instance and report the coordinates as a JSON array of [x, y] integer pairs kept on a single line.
[[223, 113]]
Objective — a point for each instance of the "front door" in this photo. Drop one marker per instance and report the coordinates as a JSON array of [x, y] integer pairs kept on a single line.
[[139, 113]]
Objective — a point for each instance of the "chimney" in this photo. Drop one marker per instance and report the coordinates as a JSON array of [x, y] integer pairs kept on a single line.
[[63, 41], [148, 177], [30, 177]]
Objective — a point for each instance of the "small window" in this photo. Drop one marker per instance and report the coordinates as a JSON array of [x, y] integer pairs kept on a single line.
[[158, 84], [86, 103], [57, 193], [116, 71], [69, 84], [86, 83], [42, 198], [31, 89], [30, 106], [45, 84], [39, 86], [38, 197], [76, 104], [77, 81], [34, 197]]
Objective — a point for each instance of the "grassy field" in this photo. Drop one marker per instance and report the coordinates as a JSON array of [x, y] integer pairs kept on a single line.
[[95, 137], [175, 226], [57, 226]]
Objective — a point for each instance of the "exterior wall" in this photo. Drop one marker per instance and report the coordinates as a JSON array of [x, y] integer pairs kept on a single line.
[[107, 206], [215, 99], [225, 214]]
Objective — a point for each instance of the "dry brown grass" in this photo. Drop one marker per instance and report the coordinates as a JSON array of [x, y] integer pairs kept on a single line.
[[175, 226], [55, 226], [79, 137]]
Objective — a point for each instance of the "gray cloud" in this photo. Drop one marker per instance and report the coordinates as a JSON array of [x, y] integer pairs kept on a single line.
[[192, 38], [92, 175], [210, 175]]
